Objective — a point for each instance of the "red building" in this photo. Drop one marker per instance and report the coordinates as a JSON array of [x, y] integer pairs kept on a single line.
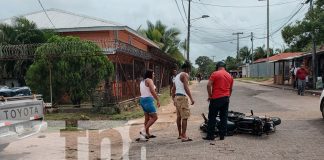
[[130, 52]]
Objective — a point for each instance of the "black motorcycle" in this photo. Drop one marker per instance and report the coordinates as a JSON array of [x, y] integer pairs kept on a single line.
[[240, 123]]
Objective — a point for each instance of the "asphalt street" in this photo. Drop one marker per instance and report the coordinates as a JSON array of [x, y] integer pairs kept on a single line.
[[299, 136]]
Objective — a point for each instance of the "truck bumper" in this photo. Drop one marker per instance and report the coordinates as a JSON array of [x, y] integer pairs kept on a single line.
[[12, 136]]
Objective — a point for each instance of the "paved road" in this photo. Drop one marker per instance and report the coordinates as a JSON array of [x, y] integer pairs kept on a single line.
[[300, 136]]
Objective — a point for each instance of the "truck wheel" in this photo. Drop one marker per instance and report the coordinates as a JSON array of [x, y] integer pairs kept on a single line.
[[3, 146]]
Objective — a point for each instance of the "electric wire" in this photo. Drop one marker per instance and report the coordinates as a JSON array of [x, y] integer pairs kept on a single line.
[[40, 3], [230, 6], [180, 13]]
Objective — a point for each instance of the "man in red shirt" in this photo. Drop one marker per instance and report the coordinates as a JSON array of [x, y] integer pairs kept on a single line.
[[301, 79], [219, 90]]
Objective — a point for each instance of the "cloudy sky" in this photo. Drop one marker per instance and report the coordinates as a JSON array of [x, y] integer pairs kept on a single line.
[[211, 36]]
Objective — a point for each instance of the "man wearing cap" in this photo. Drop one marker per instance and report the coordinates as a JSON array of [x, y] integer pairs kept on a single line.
[[219, 90]]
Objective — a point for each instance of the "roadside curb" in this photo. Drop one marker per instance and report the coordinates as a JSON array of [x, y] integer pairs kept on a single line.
[[314, 93]]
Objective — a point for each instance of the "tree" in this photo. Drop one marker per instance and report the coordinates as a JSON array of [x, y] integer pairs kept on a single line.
[[166, 38], [231, 63], [245, 54], [205, 65], [76, 67], [22, 31], [278, 50], [298, 36], [183, 45], [259, 52]]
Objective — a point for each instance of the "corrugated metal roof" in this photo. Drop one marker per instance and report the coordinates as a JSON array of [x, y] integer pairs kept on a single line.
[[63, 19], [281, 56]]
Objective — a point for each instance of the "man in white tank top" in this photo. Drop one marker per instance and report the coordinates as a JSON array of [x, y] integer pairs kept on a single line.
[[180, 91]]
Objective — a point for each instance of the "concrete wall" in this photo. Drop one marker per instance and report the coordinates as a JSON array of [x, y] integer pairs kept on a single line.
[[264, 69]]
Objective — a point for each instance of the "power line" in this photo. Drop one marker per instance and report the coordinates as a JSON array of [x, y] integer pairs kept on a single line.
[[213, 34], [184, 10], [180, 13], [273, 33], [288, 20], [40, 3], [247, 28], [230, 6], [229, 40], [228, 28]]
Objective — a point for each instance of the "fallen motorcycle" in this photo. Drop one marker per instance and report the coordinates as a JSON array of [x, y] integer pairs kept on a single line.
[[240, 123]]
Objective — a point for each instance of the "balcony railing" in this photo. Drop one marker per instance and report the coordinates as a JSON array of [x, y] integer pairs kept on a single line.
[[27, 51]]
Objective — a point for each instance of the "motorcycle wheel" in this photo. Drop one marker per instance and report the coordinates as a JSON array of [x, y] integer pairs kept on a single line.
[[276, 120]]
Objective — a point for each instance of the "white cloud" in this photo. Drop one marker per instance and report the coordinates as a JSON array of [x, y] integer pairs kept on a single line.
[[218, 27]]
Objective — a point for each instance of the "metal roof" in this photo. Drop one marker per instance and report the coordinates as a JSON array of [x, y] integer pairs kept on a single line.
[[65, 21], [62, 19], [281, 56]]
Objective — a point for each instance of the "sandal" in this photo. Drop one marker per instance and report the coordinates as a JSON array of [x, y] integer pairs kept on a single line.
[[145, 135], [179, 137], [141, 140], [152, 136], [186, 140]]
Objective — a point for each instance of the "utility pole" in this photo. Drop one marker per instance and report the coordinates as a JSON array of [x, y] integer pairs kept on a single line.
[[314, 49], [213, 58], [268, 31], [252, 47], [238, 43], [188, 34], [268, 50]]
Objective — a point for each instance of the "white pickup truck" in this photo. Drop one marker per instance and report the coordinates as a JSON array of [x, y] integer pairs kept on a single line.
[[20, 117]]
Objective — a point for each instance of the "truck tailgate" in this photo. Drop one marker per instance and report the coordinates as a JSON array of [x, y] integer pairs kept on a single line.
[[21, 110]]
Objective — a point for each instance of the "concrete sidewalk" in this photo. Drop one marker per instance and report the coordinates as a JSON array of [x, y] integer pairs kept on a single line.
[[284, 87]]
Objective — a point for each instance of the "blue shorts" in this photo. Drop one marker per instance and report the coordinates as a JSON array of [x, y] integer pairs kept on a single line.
[[147, 104]]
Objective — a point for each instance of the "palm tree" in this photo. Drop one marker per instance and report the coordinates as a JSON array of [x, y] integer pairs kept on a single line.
[[183, 45], [166, 38], [259, 52], [245, 54]]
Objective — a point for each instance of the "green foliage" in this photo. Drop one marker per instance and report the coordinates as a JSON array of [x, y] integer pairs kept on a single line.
[[259, 52], [166, 38], [245, 54], [77, 67], [193, 72], [256, 79], [205, 65], [21, 31], [298, 36], [231, 63]]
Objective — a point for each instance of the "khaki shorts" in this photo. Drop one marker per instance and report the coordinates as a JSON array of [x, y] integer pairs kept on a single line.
[[182, 105]]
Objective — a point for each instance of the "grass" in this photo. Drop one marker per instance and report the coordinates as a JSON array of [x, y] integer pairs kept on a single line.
[[165, 97], [256, 79], [77, 116], [126, 115]]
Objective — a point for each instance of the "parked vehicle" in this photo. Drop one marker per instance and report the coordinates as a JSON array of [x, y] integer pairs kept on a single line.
[[20, 116], [15, 91], [322, 104], [240, 123]]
